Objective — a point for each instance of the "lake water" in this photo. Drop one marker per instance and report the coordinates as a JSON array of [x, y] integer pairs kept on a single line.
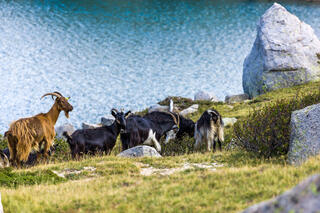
[[124, 54]]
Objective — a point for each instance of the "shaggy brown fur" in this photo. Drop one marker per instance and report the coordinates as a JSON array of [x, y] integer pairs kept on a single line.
[[27, 133]]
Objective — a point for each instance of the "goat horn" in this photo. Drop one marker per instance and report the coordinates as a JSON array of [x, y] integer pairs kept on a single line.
[[115, 110], [51, 93], [58, 93]]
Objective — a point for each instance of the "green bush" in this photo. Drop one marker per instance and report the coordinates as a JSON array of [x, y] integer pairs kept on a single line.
[[266, 131], [3, 142], [178, 147], [11, 178], [62, 150]]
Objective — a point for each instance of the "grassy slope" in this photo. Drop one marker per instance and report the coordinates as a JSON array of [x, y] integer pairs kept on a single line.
[[117, 186]]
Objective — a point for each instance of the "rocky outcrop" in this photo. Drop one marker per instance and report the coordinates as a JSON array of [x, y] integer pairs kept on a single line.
[[158, 107], [205, 96], [305, 134], [64, 128], [140, 151], [285, 53], [193, 108], [229, 121], [302, 198], [107, 120], [231, 99], [90, 126]]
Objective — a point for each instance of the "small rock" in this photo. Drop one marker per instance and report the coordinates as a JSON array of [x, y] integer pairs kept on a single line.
[[158, 107], [140, 151], [236, 98], [64, 128], [305, 134], [107, 120], [90, 126], [302, 198], [1, 207], [205, 96], [229, 121], [189, 110]]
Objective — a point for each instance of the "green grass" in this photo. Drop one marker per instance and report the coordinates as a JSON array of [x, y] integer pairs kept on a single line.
[[116, 185]]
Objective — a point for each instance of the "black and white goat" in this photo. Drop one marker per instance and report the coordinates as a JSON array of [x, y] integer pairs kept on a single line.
[[101, 139], [209, 129], [149, 129]]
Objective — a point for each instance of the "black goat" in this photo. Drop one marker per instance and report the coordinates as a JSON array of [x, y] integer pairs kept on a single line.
[[186, 127], [103, 139], [209, 128], [148, 129]]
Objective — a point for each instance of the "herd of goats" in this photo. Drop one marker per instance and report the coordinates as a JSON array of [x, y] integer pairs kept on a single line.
[[38, 131]]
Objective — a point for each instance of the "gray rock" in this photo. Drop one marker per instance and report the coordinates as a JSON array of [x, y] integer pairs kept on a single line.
[[229, 121], [302, 198], [90, 126], [305, 134], [140, 151], [1, 207], [107, 120], [285, 53], [189, 110], [205, 96], [158, 107], [230, 99], [64, 128]]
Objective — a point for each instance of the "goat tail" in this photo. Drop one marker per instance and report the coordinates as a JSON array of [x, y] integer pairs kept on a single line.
[[221, 133], [69, 138]]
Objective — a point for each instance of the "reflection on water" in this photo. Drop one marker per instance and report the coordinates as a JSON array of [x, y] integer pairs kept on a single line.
[[126, 54]]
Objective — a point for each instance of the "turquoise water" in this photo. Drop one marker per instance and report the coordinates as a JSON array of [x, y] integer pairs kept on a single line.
[[124, 54]]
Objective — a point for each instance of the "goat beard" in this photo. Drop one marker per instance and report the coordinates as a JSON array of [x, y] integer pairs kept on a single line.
[[66, 113]]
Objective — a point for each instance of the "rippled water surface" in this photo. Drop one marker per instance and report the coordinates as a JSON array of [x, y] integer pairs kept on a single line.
[[126, 54]]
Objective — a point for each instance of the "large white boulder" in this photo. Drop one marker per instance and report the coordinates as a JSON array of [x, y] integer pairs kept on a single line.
[[286, 52], [305, 134]]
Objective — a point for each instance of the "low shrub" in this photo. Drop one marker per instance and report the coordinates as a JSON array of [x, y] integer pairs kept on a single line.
[[178, 147], [266, 131], [62, 150], [11, 178], [3, 142], [182, 146]]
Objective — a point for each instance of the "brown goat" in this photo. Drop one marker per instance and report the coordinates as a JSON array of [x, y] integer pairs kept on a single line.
[[27, 133]]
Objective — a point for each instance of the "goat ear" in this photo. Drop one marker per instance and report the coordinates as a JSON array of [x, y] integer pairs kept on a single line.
[[127, 114], [114, 112]]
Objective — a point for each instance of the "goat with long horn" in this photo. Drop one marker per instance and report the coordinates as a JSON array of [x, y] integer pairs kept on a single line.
[[27, 133]]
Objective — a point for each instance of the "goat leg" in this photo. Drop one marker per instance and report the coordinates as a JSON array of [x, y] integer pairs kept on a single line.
[[219, 144], [214, 145]]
